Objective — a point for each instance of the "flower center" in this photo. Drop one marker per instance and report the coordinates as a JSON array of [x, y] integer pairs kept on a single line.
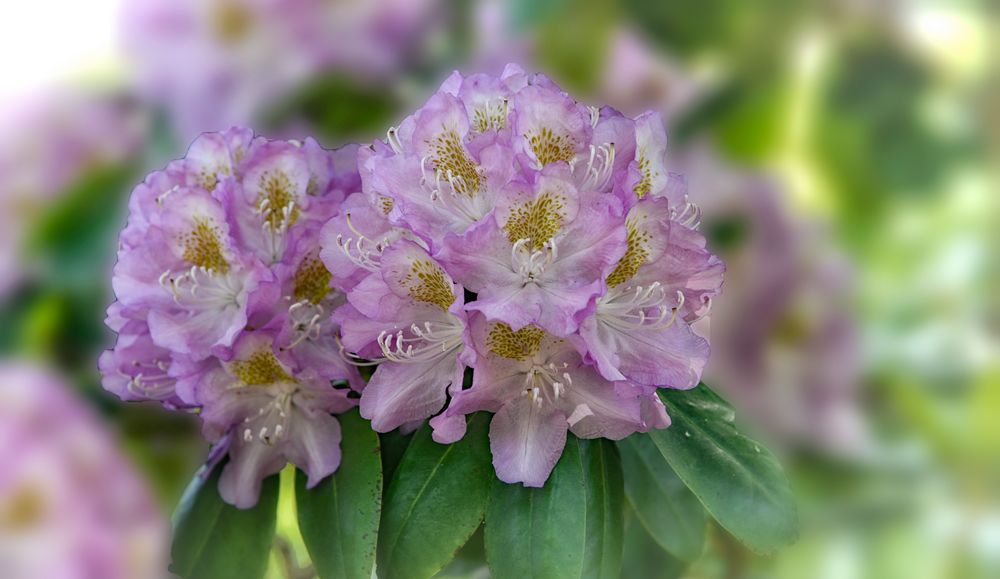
[[645, 184], [22, 509], [453, 164], [426, 282], [546, 382], [519, 345], [531, 263], [276, 204], [203, 248], [635, 255], [260, 368], [550, 146], [492, 116], [312, 279], [231, 22], [536, 221]]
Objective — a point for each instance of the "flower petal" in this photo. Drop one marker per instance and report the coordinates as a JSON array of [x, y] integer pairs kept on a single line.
[[527, 439]]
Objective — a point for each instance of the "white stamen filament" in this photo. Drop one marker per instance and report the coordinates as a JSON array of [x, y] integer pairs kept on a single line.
[[201, 288], [424, 343], [163, 197], [458, 197], [688, 215], [361, 250], [307, 321], [392, 137], [542, 383], [274, 233], [531, 263], [272, 420], [599, 168], [155, 385], [629, 308]]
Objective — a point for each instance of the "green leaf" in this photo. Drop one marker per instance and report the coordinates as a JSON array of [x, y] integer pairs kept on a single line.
[[605, 513], [739, 482], [393, 444], [213, 539], [645, 558], [570, 528], [435, 502], [338, 109], [669, 511], [339, 517], [73, 242]]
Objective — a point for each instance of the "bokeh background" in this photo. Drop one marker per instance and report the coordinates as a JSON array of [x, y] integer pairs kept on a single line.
[[846, 154]]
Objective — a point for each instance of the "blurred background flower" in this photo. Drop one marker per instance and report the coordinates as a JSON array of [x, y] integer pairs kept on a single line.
[[70, 504], [844, 154]]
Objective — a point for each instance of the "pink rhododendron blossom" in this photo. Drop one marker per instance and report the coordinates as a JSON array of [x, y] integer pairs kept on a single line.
[[50, 143], [214, 63], [545, 244], [71, 505], [409, 318], [224, 303]]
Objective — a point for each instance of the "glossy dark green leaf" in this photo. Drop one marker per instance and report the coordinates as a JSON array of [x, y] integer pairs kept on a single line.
[[435, 502], [667, 509], [213, 539], [605, 509], [570, 528], [339, 518], [736, 479], [394, 445]]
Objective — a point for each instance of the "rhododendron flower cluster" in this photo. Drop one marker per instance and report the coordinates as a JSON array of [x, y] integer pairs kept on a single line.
[[507, 228], [504, 230], [223, 305]]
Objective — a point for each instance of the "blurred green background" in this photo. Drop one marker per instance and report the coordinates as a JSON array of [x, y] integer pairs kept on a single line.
[[845, 152]]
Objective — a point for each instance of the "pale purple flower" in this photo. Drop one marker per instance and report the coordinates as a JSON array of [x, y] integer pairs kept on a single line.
[[353, 241], [137, 369], [50, 142], [71, 504], [224, 302], [409, 318], [539, 387], [215, 63], [639, 330], [273, 411], [543, 257], [456, 148]]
